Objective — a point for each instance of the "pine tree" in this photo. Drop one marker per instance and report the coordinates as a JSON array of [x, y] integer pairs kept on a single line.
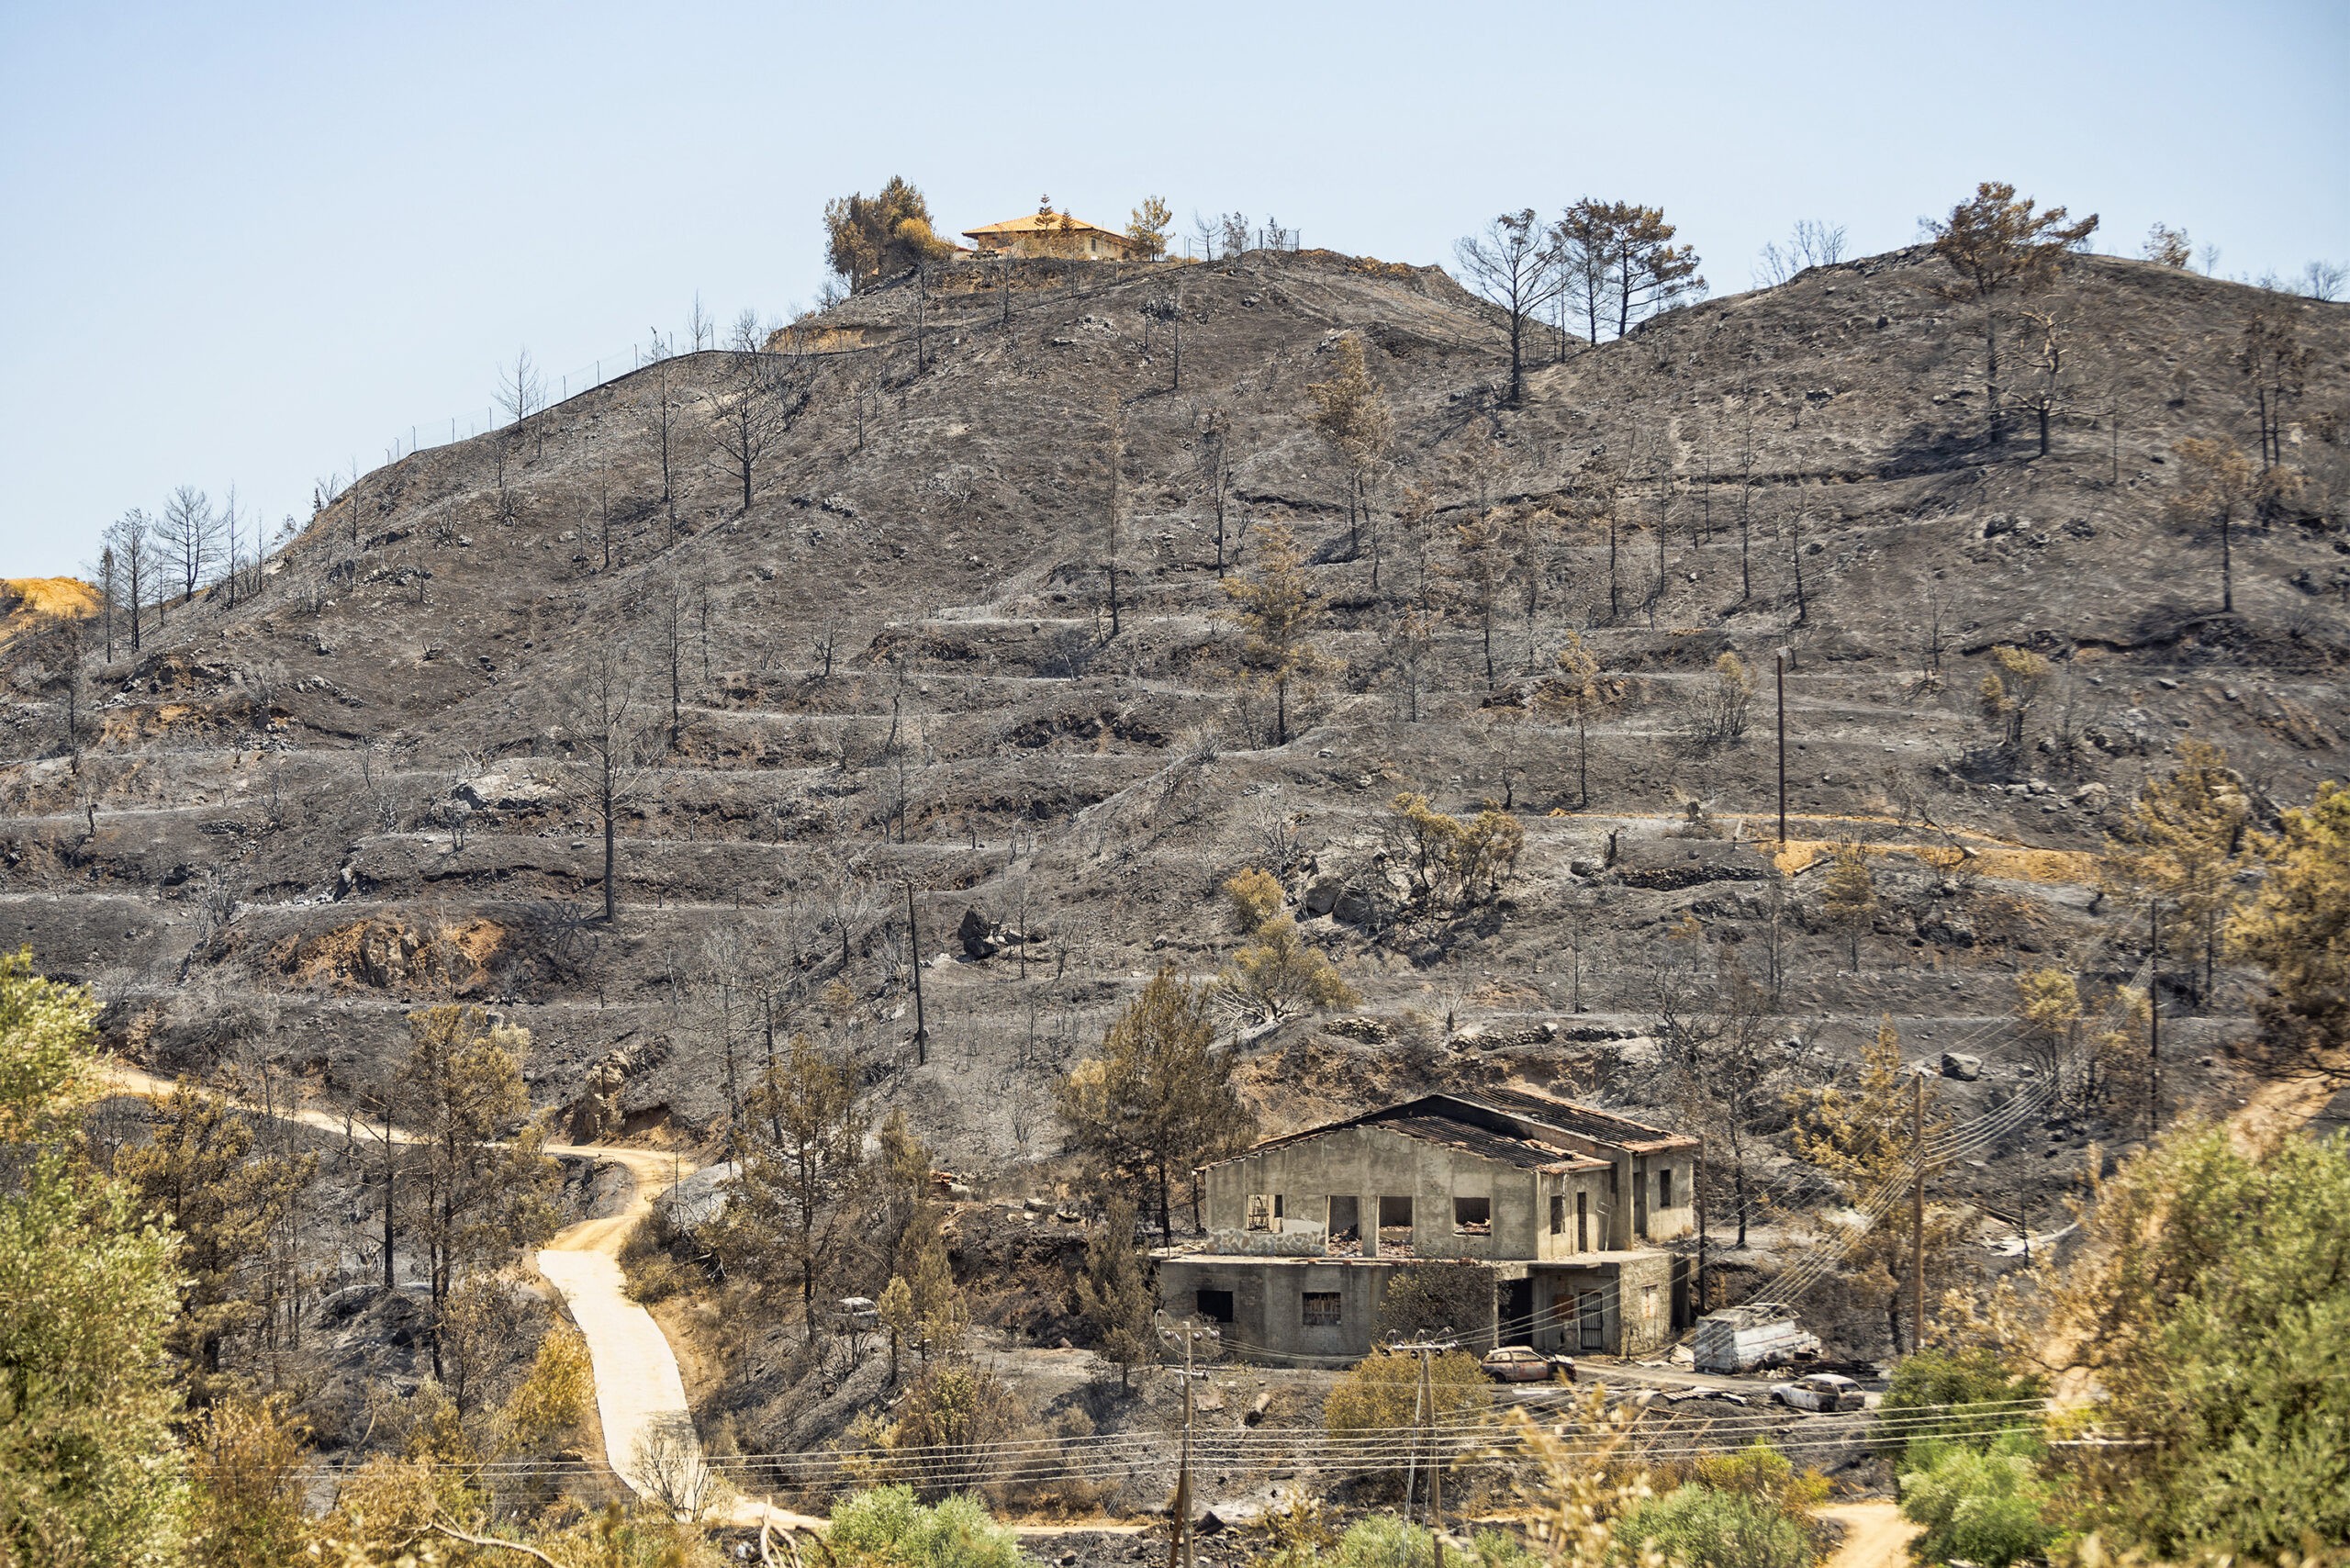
[[2298, 926], [1158, 1101], [1273, 606], [1146, 228], [1352, 415], [1575, 690], [1999, 245], [1115, 1291], [476, 1198], [198, 1175], [1849, 896], [2184, 842], [1861, 1138], [789, 1212]]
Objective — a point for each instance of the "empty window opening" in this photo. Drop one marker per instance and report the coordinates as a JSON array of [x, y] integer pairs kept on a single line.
[[1215, 1306], [1321, 1309], [1472, 1217], [1261, 1211], [1345, 1222], [1582, 1222], [1558, 1214], [1665, 1188], [1394, 1223]]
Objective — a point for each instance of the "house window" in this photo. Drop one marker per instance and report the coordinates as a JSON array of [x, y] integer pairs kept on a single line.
[[1472, 1217], [1321, 1309], [1558, 1214], [1665, 1188], [1215, 1306], [1261, 1211], [1582, 1221]]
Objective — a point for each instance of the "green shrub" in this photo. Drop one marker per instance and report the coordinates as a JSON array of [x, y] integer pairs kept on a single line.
[[1950, 1381], [886, 1526], [1384, 1541], [1984, 1505], [1707, 1528]]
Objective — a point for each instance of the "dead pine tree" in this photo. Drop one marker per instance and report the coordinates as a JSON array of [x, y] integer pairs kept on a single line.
[[1602, 483], [1512, 264], [1116, 414], [750, 420], [611, 736], [1213, 457]]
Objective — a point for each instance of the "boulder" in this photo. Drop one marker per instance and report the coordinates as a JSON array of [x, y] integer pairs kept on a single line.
[[1352, 908], [1322, 894], [974, 934], [1964, 1068], [501, 791]]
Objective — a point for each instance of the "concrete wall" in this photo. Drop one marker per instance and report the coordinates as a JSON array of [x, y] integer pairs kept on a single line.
[[1634, 1292], [1368, 1163], [1269, 1301]]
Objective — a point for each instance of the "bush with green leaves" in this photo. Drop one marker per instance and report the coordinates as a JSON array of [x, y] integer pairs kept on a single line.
[[1385, 1541], [887, 1527], [1982, 1504], [2209, 1305], [1970, 1392], [1711, 1527]]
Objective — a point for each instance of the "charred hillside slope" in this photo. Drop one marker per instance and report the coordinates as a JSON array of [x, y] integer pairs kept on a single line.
[[905, 665]]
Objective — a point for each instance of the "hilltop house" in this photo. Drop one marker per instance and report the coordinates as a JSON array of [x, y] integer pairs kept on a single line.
[[1566, 1207], [1051, 234]]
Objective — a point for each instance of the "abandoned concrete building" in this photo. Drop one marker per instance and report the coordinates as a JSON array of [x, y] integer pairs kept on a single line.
[[1565, 1208]]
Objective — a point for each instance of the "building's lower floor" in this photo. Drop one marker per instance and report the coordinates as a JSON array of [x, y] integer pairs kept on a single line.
[[1317, 1309]]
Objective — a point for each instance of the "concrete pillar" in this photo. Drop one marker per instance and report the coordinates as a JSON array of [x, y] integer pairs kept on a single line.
[[1368, 1225]]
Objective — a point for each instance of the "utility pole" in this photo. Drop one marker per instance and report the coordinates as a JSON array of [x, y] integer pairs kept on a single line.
[[2153, 1019], [390, 1176], [1181, 1547], [1917, 1213], [1424, 1426], [913, 946], [1780, 660], [1703, 1219]]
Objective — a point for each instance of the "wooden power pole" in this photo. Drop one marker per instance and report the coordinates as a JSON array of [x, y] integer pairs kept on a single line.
[[1181, 1545], [2153, 1019], [1917, 1213], [913, 946], [1780, 659]]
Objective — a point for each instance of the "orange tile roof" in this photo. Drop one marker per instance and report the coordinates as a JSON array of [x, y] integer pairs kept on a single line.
[[1033, 223]]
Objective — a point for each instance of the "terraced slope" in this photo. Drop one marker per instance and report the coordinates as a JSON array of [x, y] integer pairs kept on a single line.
[[898, 667]]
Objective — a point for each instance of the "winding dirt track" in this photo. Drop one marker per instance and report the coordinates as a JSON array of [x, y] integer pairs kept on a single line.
[[638, 1392], [1875, 1535]]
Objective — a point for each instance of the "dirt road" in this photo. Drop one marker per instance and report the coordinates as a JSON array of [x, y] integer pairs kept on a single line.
[[1875, 1535], [640, 1397]]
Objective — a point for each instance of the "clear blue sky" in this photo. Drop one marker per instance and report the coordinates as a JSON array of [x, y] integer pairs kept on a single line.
[[249, 244]]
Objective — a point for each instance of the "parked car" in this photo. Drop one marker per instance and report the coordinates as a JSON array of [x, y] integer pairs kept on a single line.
[[1523, 1363], [1821, 1391]]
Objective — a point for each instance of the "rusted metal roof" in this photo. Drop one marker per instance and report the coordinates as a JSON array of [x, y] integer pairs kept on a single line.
[[1526, 1153], [1601, 1126], [1503, 1125]]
